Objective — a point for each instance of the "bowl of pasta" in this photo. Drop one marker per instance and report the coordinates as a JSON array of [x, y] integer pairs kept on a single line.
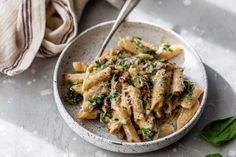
[[145, 92]]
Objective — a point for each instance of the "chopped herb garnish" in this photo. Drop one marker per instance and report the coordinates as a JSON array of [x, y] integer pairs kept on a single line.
[[146, 50], [139, 82], [112, 95], [167, 47], [147, 133], [188, 86], [130, 82], [188, 96], [98, 63], [72, 97], [137, 42], [105, 115], [149, 69], [149, 51], [97, 100], [115, 78]]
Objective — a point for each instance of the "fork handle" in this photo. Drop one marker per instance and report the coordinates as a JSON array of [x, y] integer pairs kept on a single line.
[[126, 9]]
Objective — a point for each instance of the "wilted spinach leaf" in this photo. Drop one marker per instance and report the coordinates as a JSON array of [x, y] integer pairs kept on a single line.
[[97, 100], [147, 133], [72, 97]]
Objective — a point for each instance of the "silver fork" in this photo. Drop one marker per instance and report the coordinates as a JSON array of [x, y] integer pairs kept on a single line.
[[126, 9]]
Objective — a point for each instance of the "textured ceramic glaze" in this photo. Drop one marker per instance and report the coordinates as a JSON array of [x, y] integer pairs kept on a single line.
[[84, 49]]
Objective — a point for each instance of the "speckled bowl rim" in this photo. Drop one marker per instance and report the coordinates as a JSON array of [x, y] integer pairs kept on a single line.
[[67, 117]]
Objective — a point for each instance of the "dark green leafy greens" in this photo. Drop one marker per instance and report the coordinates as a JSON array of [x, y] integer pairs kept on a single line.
[[167, 47], [188, 86], [72, 97], [105, 114], [146, 133], [138, 45], [97, 100], [220, 132], [112, 95], [214, 155]]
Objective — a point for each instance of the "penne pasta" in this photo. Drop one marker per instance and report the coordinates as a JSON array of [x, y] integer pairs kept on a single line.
[[189, 101], [134, 90], [137, 106], [165, 129], [186, 115], [178, 82], [74, 78], [96, 78], [167, 51], [79, 67], [158, 91]]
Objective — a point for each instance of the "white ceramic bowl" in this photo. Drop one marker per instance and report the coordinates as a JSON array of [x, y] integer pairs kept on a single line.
[[85, 47]]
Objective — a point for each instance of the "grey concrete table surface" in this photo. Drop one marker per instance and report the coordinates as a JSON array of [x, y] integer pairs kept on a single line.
[[31, 126]]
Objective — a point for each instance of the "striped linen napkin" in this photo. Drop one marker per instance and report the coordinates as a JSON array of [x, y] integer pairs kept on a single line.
[[31, 28]]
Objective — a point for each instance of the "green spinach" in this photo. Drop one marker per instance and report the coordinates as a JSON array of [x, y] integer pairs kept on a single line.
[[188, 86], [220, 132], [214, 155], [147, 133], [112, 95], [97, 100], [105, 114], [72, 97]]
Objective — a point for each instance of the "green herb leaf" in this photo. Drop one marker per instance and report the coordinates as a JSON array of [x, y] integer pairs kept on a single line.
[[105, 115], [147, 133], [188, 86], [149, 69], [220, 132], [149, 51], [188, 96], [137, 42], [146, 50], [130, 81], [97, 100], [98, 63], [167, 47], [72, 97], [112, 95], [214, 155]]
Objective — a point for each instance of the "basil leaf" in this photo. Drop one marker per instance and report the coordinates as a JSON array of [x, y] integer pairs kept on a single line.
[[214, 155], [220, 132]]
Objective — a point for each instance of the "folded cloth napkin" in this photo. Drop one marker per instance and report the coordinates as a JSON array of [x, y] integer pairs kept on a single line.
[[32, 28]]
